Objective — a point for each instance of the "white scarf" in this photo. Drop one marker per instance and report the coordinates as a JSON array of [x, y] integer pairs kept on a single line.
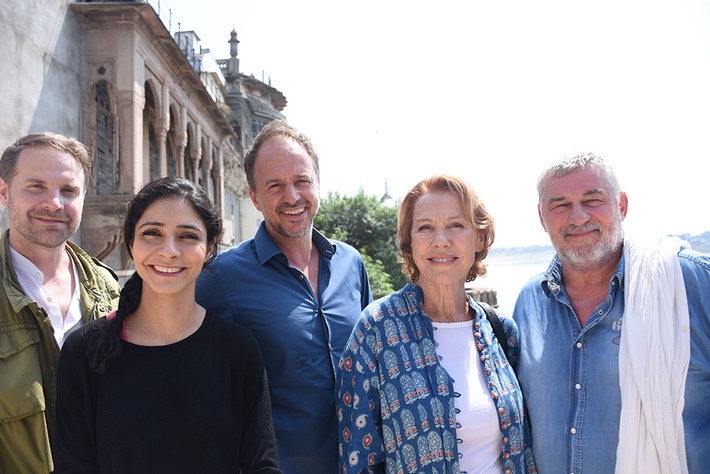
[[653, 359]]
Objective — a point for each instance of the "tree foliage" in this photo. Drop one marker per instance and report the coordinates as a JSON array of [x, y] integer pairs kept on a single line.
[[371, 227]]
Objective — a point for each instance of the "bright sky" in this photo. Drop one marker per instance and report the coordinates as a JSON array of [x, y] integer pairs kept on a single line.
[[395, 91]]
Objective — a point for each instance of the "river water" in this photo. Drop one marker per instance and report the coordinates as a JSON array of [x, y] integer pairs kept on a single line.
[[509, 271]]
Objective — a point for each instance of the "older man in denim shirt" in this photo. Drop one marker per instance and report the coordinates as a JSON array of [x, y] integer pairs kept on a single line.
[[570, 321]]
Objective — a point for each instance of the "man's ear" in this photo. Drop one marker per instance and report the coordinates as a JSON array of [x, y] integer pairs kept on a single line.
[[542, 221], [623, 204], [4, 192], [252, 195], [210, 248]]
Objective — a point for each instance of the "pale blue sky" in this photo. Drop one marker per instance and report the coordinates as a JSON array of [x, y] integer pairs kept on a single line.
[[493, 91]]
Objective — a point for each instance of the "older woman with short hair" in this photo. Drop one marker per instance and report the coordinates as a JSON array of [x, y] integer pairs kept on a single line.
[[424, 386]]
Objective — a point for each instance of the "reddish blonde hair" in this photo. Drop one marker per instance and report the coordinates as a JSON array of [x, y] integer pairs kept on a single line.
[[474, 210]]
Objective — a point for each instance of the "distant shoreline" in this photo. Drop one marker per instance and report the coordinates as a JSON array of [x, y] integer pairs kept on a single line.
[[699, 243]]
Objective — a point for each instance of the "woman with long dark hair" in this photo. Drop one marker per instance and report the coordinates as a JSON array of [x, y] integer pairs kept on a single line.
[[161, 385]]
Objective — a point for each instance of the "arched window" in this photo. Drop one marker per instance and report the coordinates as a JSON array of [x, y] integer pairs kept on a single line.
[[189, 159], [105, 155], [170, 155], [171, 150], [153, 153], [153, 150], [202, 176], [214, 179]]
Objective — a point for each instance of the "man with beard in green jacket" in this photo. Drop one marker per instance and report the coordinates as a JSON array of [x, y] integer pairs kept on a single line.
[[49, 287]]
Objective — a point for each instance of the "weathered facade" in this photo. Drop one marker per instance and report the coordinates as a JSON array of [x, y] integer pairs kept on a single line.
[[148, 103]]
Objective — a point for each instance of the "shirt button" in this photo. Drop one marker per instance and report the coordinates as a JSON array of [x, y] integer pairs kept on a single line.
[[601, 311], [573, 431], [578, 386], [49, 299], [300, 277], [579, 345]]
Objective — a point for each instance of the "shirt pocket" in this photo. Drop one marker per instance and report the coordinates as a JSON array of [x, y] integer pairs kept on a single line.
[[21, 393]]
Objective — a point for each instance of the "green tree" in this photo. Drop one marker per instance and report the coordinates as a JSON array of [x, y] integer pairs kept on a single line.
[[371, 227], [380, 281]]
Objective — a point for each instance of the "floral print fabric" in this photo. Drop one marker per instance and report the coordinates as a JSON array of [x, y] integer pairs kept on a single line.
[[396, 409]]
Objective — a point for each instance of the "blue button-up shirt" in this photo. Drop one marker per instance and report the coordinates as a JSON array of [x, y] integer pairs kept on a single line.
[[570, 374], [302, 335]]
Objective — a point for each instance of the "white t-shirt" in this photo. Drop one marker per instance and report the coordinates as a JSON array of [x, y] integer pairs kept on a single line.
[[480, 451], [31, 278]]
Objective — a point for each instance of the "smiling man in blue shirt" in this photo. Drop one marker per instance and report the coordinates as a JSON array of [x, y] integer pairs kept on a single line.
[[614, 337], [299, 293]]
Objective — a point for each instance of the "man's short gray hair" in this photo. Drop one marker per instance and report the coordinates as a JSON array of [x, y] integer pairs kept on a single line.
[[569, 164]]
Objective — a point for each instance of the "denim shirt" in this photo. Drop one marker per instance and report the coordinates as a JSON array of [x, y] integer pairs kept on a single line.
[[570, 374], [396, 409], [301, 334]]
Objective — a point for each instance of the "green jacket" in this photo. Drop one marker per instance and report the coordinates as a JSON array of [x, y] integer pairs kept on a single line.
[[28, 360]]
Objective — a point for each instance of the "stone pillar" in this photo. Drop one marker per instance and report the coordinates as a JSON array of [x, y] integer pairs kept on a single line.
[[162, 135], [162, 131], [218, 176], [130, 116], [180, 169], [207, 166], [181, 137]]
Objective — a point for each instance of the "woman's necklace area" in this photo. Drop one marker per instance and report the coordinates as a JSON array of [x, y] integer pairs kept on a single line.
[[443, 317]]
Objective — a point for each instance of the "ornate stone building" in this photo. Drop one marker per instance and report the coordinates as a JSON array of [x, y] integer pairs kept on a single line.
[[148, 102]]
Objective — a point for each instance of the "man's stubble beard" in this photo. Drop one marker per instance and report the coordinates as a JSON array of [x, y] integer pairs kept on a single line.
[[42, 237], [605, 250]]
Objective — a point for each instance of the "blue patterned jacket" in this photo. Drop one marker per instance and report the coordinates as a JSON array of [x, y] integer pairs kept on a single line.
[[396, 402]]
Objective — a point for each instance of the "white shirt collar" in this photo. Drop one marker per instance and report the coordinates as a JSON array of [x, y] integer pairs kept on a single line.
[[31, 281]]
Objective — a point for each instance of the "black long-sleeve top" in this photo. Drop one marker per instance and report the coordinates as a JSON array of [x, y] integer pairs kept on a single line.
[[200, 405]]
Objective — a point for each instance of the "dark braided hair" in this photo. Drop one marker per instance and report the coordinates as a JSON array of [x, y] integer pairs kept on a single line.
[[104, 338]]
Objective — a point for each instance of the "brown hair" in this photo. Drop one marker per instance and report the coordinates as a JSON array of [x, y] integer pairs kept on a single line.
[[71, 146], [474, 210], [277, 128]]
